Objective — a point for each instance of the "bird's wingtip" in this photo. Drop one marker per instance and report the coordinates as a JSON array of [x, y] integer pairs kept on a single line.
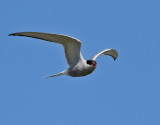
[[12, 34], [115, 59], [48, 77]]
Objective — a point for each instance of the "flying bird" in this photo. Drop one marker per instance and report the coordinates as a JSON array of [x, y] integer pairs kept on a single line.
[[78, 66]]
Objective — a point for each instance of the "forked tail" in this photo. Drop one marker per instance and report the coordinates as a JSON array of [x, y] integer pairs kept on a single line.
[[61, 73]]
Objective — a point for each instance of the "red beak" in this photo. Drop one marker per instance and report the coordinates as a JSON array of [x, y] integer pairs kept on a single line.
[[94, 64]]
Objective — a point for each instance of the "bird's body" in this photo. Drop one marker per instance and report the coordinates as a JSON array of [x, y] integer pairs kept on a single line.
[[78, 66], [80, 69]]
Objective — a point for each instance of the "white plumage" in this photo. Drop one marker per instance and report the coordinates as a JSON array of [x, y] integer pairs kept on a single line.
[[72, 47]]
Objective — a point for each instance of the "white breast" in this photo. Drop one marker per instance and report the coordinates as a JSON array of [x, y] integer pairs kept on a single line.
[[80, 69]]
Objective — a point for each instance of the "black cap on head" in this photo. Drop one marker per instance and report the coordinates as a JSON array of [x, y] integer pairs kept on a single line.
[[91, 62]]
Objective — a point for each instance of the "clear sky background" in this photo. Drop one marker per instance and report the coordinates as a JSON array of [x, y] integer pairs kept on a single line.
[[121, 92]]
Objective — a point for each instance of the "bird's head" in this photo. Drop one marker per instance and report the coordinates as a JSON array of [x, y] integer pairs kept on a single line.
[[91, 62]]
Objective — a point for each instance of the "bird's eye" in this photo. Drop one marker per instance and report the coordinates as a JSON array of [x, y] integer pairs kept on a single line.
[[89, 62]]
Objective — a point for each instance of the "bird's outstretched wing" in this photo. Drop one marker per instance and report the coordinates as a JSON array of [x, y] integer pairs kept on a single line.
[[110, 52], [71, 45]]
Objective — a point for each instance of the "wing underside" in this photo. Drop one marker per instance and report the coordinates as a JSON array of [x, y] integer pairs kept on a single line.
[[71, 45], [109, 52]]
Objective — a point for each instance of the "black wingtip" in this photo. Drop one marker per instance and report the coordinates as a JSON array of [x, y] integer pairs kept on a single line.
[[114, 59], [11, 34]]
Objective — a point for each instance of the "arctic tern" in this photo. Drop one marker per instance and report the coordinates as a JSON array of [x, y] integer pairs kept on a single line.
[[78, 66]]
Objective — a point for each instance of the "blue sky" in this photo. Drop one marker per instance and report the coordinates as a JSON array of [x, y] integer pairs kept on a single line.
[[121, 92]]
